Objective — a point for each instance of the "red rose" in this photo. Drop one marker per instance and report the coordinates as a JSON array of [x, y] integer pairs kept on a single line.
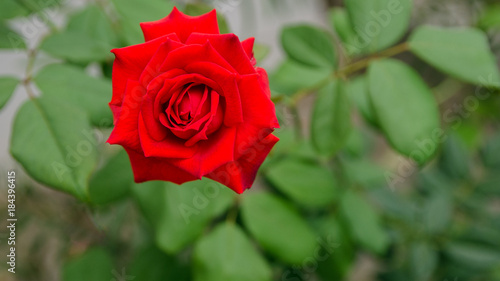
[[189, 102]]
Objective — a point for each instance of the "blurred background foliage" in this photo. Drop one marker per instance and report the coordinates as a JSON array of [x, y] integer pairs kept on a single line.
[[388, 166]]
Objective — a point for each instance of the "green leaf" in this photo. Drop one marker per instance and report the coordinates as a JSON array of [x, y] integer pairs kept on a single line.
[[7, 87], [76, 47], [94, 24], [454, 159], [291, 77], [461, 52], [309, 45], [292, 242], [305, 182], [473, 256], [113, 181], [424, 261], [199, 9], [11, 9], [405, 109], [364, 223], [10, 39], [490, 18], [336, 256], [339, 18], [357, 90], [94, 264], [227, 254], [63, 153], [179, 214], [331, 120], [378, 24], [490, 153], [151, 264], [76, 87], [260, 52], [437, 211], [133, 12]]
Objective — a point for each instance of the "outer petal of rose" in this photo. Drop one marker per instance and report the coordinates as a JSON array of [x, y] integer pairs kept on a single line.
[[151, 168], [125, 132], [229, 47], [170, 147], [248, 47], [152, 69], [240, 175], [181, 24], [129, 64], [212, 153]]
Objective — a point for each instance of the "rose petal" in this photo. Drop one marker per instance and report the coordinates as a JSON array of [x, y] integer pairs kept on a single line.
[[181, 24], [229, 47], [239, 175], [248, 47], [151, 168], [125, 131], [152, 69]]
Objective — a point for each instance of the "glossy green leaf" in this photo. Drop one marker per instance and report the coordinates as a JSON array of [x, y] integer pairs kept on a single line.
[[227, 254], [405, 109], [95, 24], [113, 181], [179, 214], [307, 183], [151, 264], [378, 23], [309, 45], [291, 77], [364, 223], [63, 154], [7, 87], [278, 227], [9, 39], [331, 119], [95, 264], [133, 12], [75, 86], [76, 47], [461, 52]]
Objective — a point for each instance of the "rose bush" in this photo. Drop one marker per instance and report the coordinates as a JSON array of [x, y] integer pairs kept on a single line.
[[189, 102]]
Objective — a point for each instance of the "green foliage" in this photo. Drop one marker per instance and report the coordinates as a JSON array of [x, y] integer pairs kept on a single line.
[[94, 264], [473, 62], [227, 254], [331, 120], [278, 227], [7, 87], [73, 85], [378, 24], [9, 39], [309, 45], [63, 154], [405, 108], [180, 214], [317, 190]]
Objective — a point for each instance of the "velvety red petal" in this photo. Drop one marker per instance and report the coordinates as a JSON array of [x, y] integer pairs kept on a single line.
[[151, 168], [170, 147], [152, 69], [212, 153], [248, 47], [239, 175], [125, 132], [129, 64], [229, 47], [181, 24]]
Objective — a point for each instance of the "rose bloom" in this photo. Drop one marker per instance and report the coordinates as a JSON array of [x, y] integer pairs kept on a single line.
[[190, 103]]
